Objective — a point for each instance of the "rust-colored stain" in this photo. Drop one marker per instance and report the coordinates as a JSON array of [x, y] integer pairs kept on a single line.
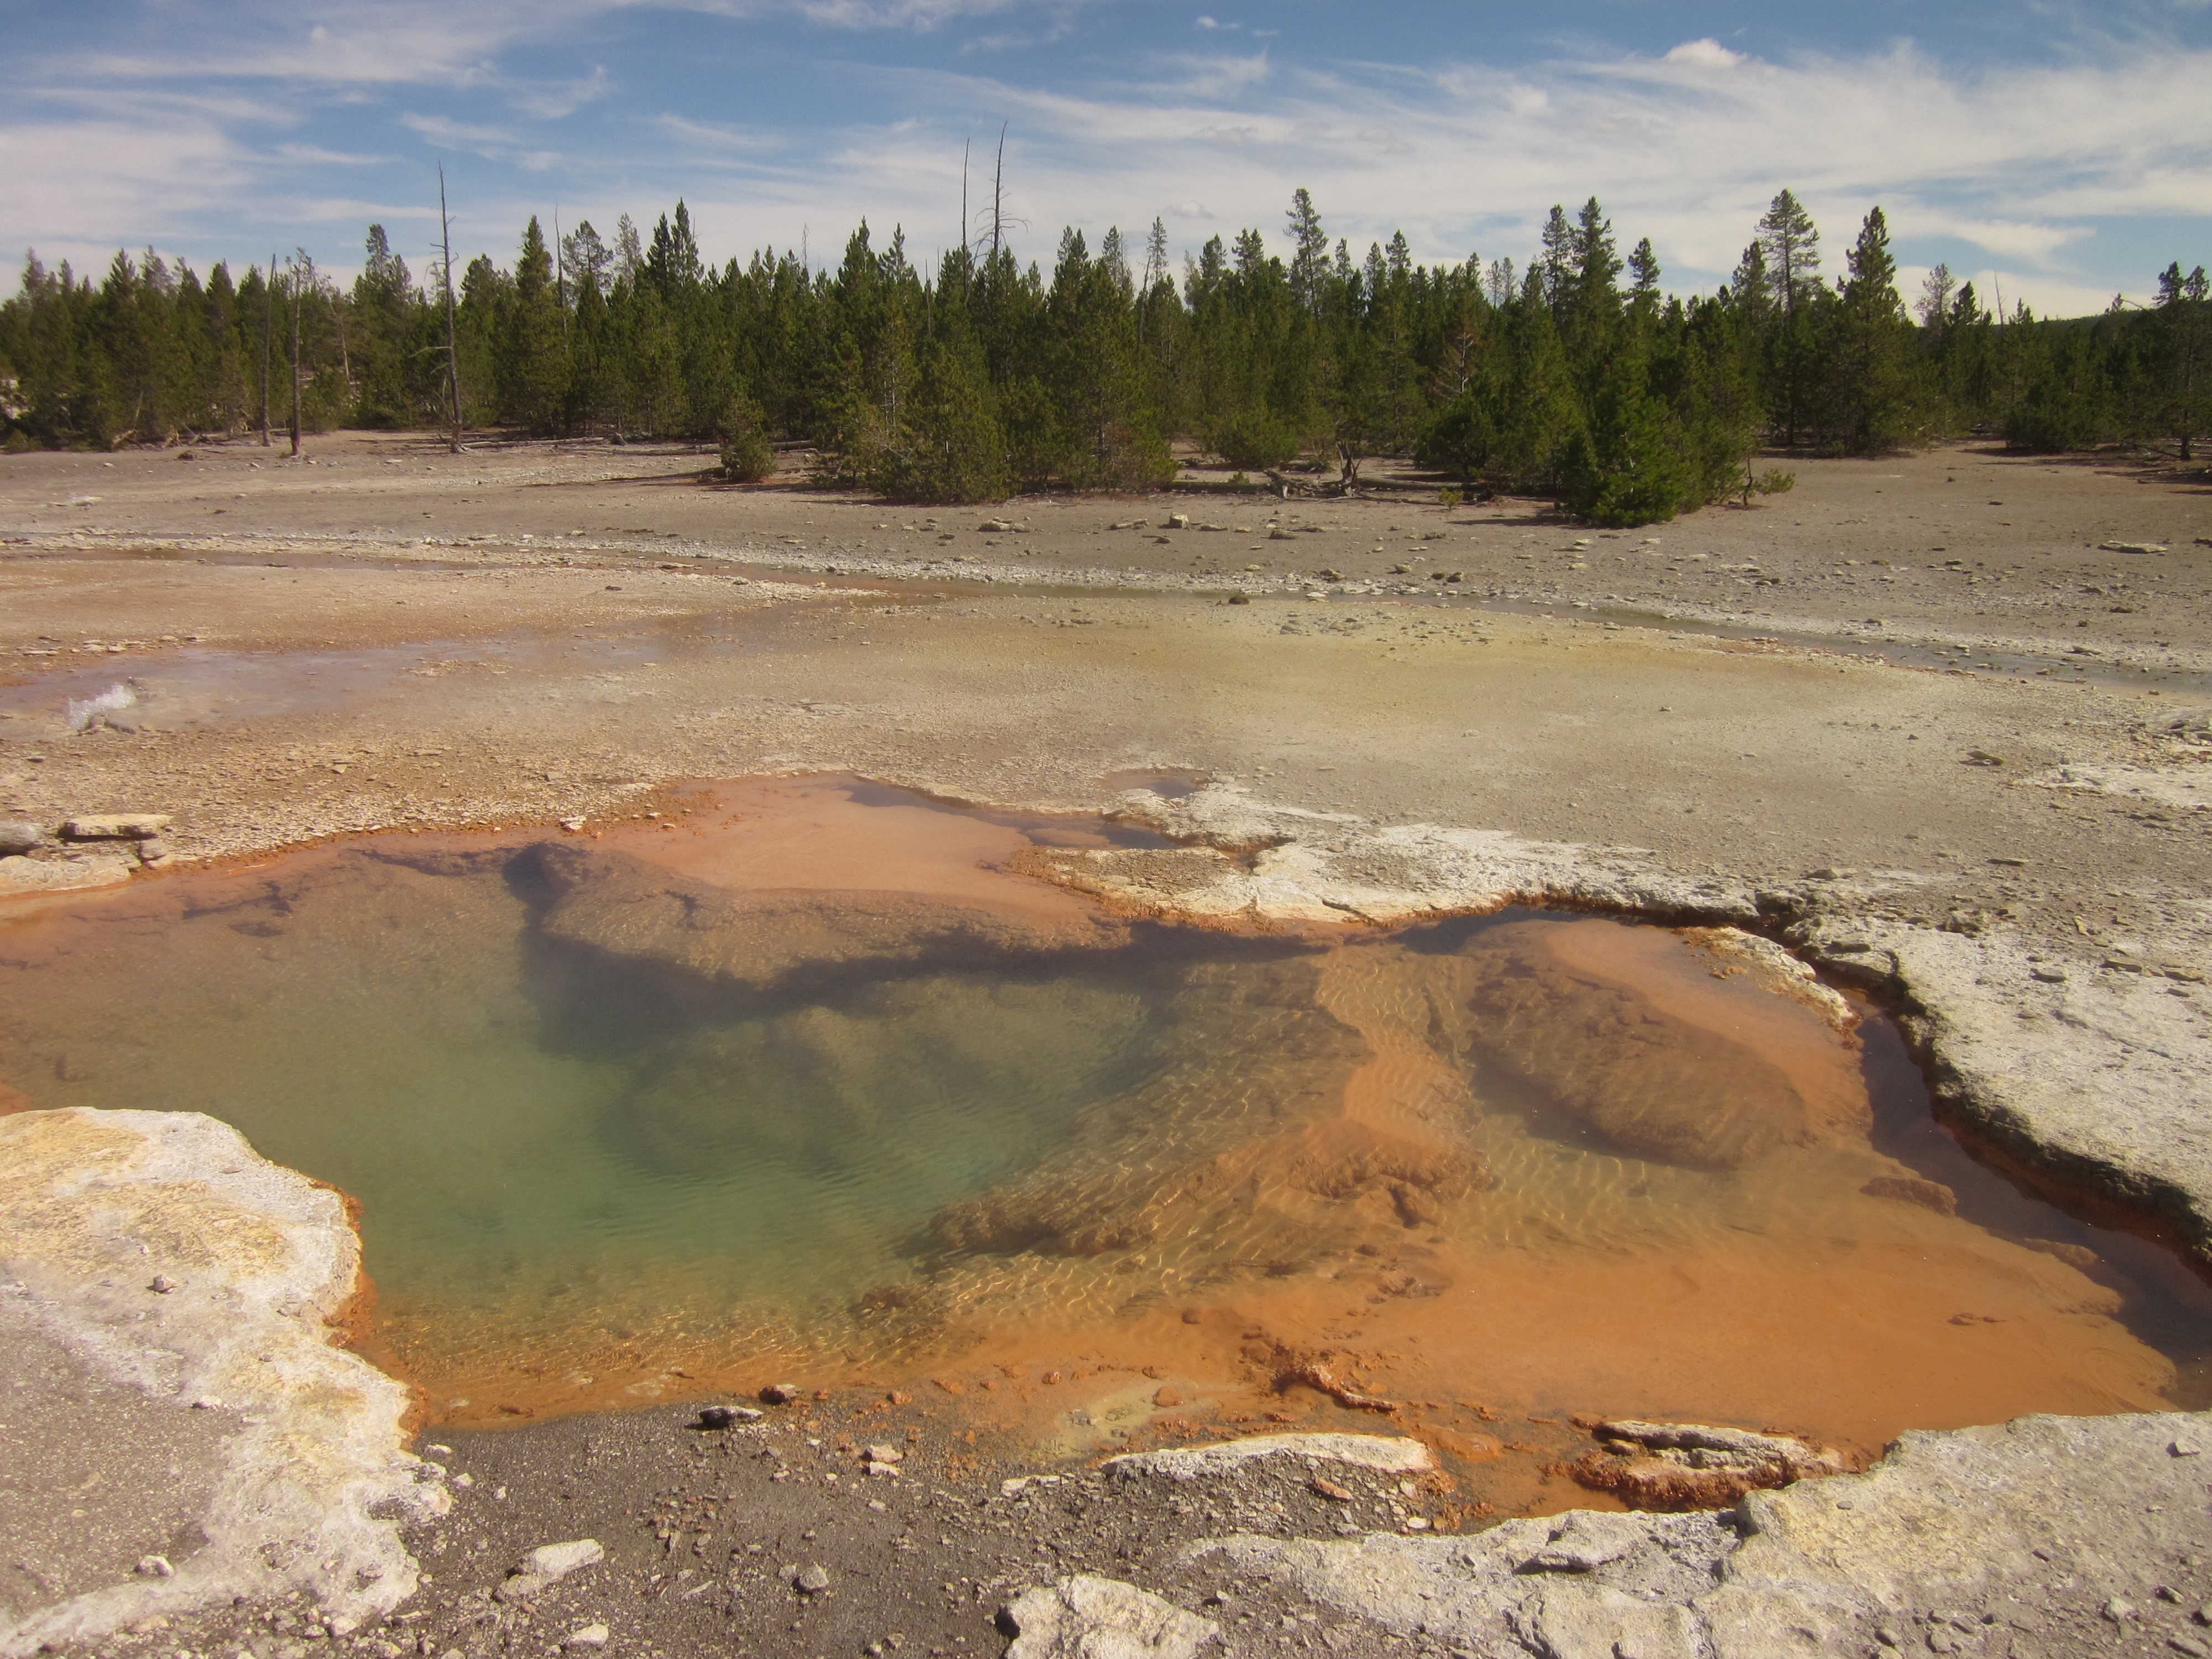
[[1534, 1167]]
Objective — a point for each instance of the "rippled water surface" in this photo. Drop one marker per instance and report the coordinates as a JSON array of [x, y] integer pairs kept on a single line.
[[809, 1080]]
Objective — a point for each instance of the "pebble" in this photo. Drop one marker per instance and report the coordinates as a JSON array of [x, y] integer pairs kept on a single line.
[[780, 1393], [155, 1566], [17, 835], [591, 1636], [882, 1452], [811, 1579], [551, 1561]]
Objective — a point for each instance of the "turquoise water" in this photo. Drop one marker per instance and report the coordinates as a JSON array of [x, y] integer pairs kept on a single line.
[[586, 1164]]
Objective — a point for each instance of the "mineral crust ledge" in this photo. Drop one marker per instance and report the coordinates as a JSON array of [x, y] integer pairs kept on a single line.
[[181, 1428]]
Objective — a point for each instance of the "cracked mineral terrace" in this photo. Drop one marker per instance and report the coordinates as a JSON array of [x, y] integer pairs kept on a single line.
[[2011, 861]]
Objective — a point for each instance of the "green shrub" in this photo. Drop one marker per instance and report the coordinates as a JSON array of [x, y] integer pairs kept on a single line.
[[1254, 438], [747, 455]]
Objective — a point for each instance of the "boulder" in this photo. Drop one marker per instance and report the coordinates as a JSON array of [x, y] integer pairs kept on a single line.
[[115, 826], [1087, 1618]]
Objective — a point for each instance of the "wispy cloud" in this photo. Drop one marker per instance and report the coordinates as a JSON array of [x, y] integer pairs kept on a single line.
[[230, 115], [554, 100]]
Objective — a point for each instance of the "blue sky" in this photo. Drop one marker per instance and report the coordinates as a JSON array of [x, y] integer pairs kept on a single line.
[[2061, 151]]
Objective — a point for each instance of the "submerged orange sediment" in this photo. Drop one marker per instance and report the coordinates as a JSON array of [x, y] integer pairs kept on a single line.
[[826, 1090]]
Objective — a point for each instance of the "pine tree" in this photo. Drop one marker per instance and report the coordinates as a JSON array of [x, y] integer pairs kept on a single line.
[[1310, 251], [383, 305], [1644, 267], [1873, 388], [1791, 245], [532, 369], [1594, 298], [2183, 385], [1553, 269], [588, 262]]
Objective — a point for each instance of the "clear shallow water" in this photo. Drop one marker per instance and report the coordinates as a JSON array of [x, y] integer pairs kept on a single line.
[[617, 1128]]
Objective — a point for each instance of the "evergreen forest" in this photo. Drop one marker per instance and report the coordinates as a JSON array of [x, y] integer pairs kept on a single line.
[[1576, 378]]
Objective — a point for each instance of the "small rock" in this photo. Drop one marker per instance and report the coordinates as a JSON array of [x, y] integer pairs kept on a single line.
[[2048, 976], [780, 1393], [1324, 1487], [811, 1579], [154, 851], [155, 1566], [1392, 1454], [572, 824], [2117, 1610], [882, 1452], [19, 835], [2190, 1645], [2131, 547], [1329, 575], [1178, 521], [592, 1636], [1240, 599], [163, 1284], [551, 1561], [722, 1417], [116, 826], [2184, 1448], [1168, 1396]]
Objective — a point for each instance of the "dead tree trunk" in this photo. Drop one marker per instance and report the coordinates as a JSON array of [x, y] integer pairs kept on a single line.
[[453, 353]]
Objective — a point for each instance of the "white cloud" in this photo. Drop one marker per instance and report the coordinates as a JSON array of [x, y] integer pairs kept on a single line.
[[1708, 53], [552, 101], [2033, 241], [2029, 163]]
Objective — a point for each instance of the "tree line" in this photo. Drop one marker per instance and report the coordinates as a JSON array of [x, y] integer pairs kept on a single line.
[[1576, 378]]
